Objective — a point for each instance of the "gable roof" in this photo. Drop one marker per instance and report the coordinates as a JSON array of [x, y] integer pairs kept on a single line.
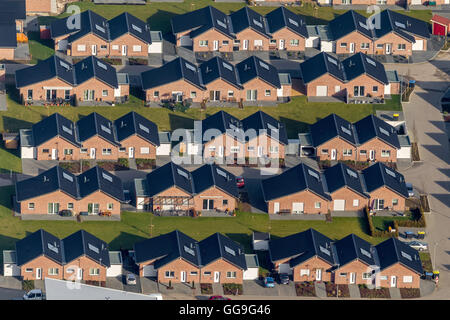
[[210, 175], [284, 18], [330, 127], [167, 176], [95, 124], [262, 121], [372, 126], [98, 179], [360, 63], [353, 248], [403, 25], [8, 35], [11, 10], [37, 244], [53, 126], [134, 124], [91, 23], [170, 72], [347, 23], [247, 18], [127, 23], [82, 243], [340, 175], [253, 67], [217, 68], [319, 65], [219, 246], [393, 251], [224, 123], [301, 247], [379, 175], [293, 180], [92, 67]]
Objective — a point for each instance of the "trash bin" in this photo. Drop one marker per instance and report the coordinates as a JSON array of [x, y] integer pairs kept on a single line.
[[421, 235], [428, 275], [409, 234], [412, 83]]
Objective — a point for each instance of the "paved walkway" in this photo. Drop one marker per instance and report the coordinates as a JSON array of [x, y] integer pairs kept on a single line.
[[354, 291], [217, 289], [321, 291], [395, 293]]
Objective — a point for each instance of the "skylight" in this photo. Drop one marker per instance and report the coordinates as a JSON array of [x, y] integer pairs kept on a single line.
[[332, 60], [190, 67], [366, 253], [345, 130], [314, 174], [64, 65], [325, 250], [384, 131], [102, 65], [221, 23], [53, 248], [101, 29], [135, 27], [93, 248], [391, 173], [67, 177], [406, 256], [400, 25], [370, 61], [183, 173], [106, 129], [295, 23], [107, 177], [352, 173], [222, 173], [230, 251], [264, 65], [227, 66], [363, 25], [67, 130], [256, 22], [143, 128], [189, 250], [271, 127]]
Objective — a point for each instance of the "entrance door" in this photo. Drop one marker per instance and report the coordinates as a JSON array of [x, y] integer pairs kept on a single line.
[[79, 274], [215, 45], [260, 151], [214, 95], [50, 95], [208, 204], [352, 277], [183, 276], [38, 273], [352, 47], [131, 152], [276, 207], [318, 274], [94, 49], [245, 45], [388, 48], [333, 154], [371, 155], [92, 154], [393, 281], [339, 205], [54, 154], [281, 44], [216, 276], [124, 50]]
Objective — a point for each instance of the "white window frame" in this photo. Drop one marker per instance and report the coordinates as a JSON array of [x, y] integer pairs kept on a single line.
[[225, 42], [53, 271], [273, 149], [203, 43], [343, 45], [28, 270], [31, 206], [231, 274], [235, 149], [355, 202], [145, 150], [365, 45], [407, 279], [193, 94], [81, 47], [380, 46], [394, 202], [70, 207], [385, 153], [94, 271], [267, 92], [122, 149], [103, 93], [106, 151], [317, 205], [347, 152], [83, 150], [401, 46], [115, 47], [137, 48], [169, 274], [110, 206], [230, 93], [363, 152], [251, 148], [258, 43], [366, 275], [304, 272], [193, 273], [294, 42]]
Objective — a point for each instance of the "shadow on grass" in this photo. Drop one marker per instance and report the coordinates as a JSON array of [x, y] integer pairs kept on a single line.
[[176, 121], [294, 127], [14, 124], [124, 241]]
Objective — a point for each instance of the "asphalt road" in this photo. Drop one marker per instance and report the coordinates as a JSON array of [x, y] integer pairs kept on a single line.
[[11, 294]]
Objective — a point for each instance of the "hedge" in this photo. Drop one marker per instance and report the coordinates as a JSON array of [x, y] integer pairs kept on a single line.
[[416, 223], [378, 233]]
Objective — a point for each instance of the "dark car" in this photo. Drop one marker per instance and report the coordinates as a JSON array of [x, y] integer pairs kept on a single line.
[[218, 298], [240, 182], [284, 278], [65, 213]]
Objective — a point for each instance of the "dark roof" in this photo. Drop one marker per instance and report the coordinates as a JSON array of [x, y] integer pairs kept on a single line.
[[11, 10], [403, 25], [353, 247], [68, 25], [347, 23], [373, 127], [47, 182], [293, 180], [261, 235], [92, 67], [166, 248], [216, 68], [253, 67], [37, 244], [210, 175], [53, 126], [172, 71], [393, 251], [284, 18], [301, 247], [262, 121], [98, 179], [247, 18], [8, 35], [167, 176], [360, 63], [379, 175], [319, 65], [134, 124], [219, 246], [91, 23], [224, 123], [82, 243], [96, 125], [330, 127], [127, 23], [340, 175]]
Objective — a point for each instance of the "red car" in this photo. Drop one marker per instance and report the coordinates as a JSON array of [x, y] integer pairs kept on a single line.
[[240, 182], [218, 298]]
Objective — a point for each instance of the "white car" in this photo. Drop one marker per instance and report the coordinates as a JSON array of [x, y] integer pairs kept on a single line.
[[131, 279], [420, 246], [35, 294], [410, 189]]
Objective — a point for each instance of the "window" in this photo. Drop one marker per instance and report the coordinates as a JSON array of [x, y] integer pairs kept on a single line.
[[203, 43], [81, 47], [343, 45], [237, 42], [89, 95], [267, 93], [137, 48], [156, 94], [53, 208], [304, 272], [317, 205], [121, 149], [401, 46], [145, 150], [394, 202], [115, 47], [230, 94], [68, 152], [337, 89], [324, 151], [231, 274], [29, 270], [273, 41], [407, 279], [70, 270], [385, 153], [379, 46], [355, 202], [83, 150], [31, 206], [70, 206], [94, 271], [273, 149], [66, 95], [106, 151], [110, 206], [234, 149], [366, 275], [258, 43], [207, 273], [53, 271], [225, 42], [358, 91], [365, 46], [225, 202], [250, 148], [294, 42], [252, 95], [193, 94], [362, 152], [30, 94], [45, 150], [347, 152], [383, 277], [103, 47], [104, 93], [169, 274], [375, 88], [212, 148], [93, 208], [193, 273], [343, 274]]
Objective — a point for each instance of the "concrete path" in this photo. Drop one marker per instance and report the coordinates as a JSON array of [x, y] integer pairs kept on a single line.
[[321, 291], [354, 291], [10, 282], [217, 289], [427, 287], [395, 293]]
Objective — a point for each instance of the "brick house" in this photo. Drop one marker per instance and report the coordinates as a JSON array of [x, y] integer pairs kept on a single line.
[[56, 81], [124, 35], [305, 256], [357, 76], [369, 139], [171, 187], [178, 258], [12, 19], [93, 192], [80, 256], [298, 190], [41, 7]]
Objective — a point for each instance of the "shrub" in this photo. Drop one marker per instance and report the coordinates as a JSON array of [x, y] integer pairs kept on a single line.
[[418, 219], [410, 293], [28, 285], [123, 162], [379, 233], [206, 288], [143, 164], [306, 289], [232, 288], [180, 107]]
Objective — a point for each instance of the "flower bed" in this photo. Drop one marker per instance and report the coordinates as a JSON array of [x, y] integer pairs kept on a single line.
[[143, 164], [232, 288], [96, 283], [137, 61], [409, 293], [206, 288], [74, 167], [331, 289], [305, 289], [374, 293], [415, 152], [114, 165], [424, 203], [115, 61]]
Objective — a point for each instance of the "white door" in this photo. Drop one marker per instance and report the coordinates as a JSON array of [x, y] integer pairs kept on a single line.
[[352, 277], [79, 274], [418, 45], [260, 151], [54, 154], [183, 276], [318, 274], [92, 153], [131, 152], [387, 89], [280, 92], [216, 276], [339, 205], [117, 92], [281, 44], [245, 45], [333, 154], [215, 45], [276, 207], [321, 91], [220, 151], [38, 273], [393, 281], [388, 48], [352, 47], [94, 49], [297, 207], [447, 2], [124, 50], [140, 203], [371, 155]]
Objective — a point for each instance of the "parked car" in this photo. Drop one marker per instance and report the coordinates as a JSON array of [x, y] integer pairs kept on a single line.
[[269, 282], [420, 246], [410, 189], [240, 182], [284, 278], [35, 294], [66, 213], [218, 298], [131, 279]]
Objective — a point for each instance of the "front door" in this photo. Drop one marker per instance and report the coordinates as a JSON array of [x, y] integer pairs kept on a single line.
[[276, 207], [220, 151], [319, 275], [372, 155], [54, 154], [388, 48], [208, 204], [333, 154], [216, 276], [245, 45], [214, 95], [131, 152], [281, 44], [352, 47], [92, 154], [94, 49], [79, 274], [38, 273], [352, 277], [393, 281], [215, 45], [124, 50], [183, 276]]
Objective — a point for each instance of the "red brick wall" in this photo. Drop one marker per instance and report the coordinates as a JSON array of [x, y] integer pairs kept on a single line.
[[223, 267], [388, 196], [99, 144], [85, 264], [287, 35], [338, 144], [129, 41], [355, 266], [394, 40], [7, 53], [44, 263], [165, 91], [89, 40], [377, 145], [399, 271], [312, 264], [349, 195], [356, 38], [59, 144], [38, 6], [307, 197], [218, 196], [137, 143]]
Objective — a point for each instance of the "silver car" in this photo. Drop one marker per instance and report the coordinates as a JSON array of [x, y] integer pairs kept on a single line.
[[131, 279], [410, 189], [420, 246]]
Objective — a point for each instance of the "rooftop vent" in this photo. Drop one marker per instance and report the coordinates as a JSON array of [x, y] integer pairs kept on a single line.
[[101, 29], [346, 130], [370, 61], [313, 174], [391, 173], [257, 23], [333, 61], [325, 251], [291, 21], [189, 250], [406, 256], [222, 24], [384, 131], [182, 173], [351, 64], [67, 130], [190, 67], [46, 179], [102, 65], [352, 173], [106, 129], [366, 253], [227, 66], [107, 177], [264, 65], [53, 247], [246, 67]]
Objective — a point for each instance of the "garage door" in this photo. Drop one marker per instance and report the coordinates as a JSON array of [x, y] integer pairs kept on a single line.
[[339, 205], [416, 2], [418, 45], [114, 270], [284, 268], [297, 207], [321, 91], [438, 29], [387, 89], [186, 41], [149, 271], [11, 270]]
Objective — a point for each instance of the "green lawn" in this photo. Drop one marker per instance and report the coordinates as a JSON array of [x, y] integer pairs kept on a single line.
[[39, 49], [10, 160], [383, 223]]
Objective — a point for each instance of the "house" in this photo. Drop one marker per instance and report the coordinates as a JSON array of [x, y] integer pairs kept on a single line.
[[440, 24], [306, 256], [178, 258], [354, 78], [260, 240], [12, 19], [93, 192], [79, 257], [399, 265], [56, 81], [297, 190], [88, 33], [386, 187], [171, 187]]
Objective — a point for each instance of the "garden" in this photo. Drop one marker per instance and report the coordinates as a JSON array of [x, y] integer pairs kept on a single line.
[[305, 289], [374, 293]]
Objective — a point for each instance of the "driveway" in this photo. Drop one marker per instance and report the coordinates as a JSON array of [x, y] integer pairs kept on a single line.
[[426, 126], [11, 294], [34, 167]]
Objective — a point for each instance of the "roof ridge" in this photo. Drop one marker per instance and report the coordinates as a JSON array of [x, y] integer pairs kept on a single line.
[[311, 230], [178, 241], [212, 173], [42, 240]]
